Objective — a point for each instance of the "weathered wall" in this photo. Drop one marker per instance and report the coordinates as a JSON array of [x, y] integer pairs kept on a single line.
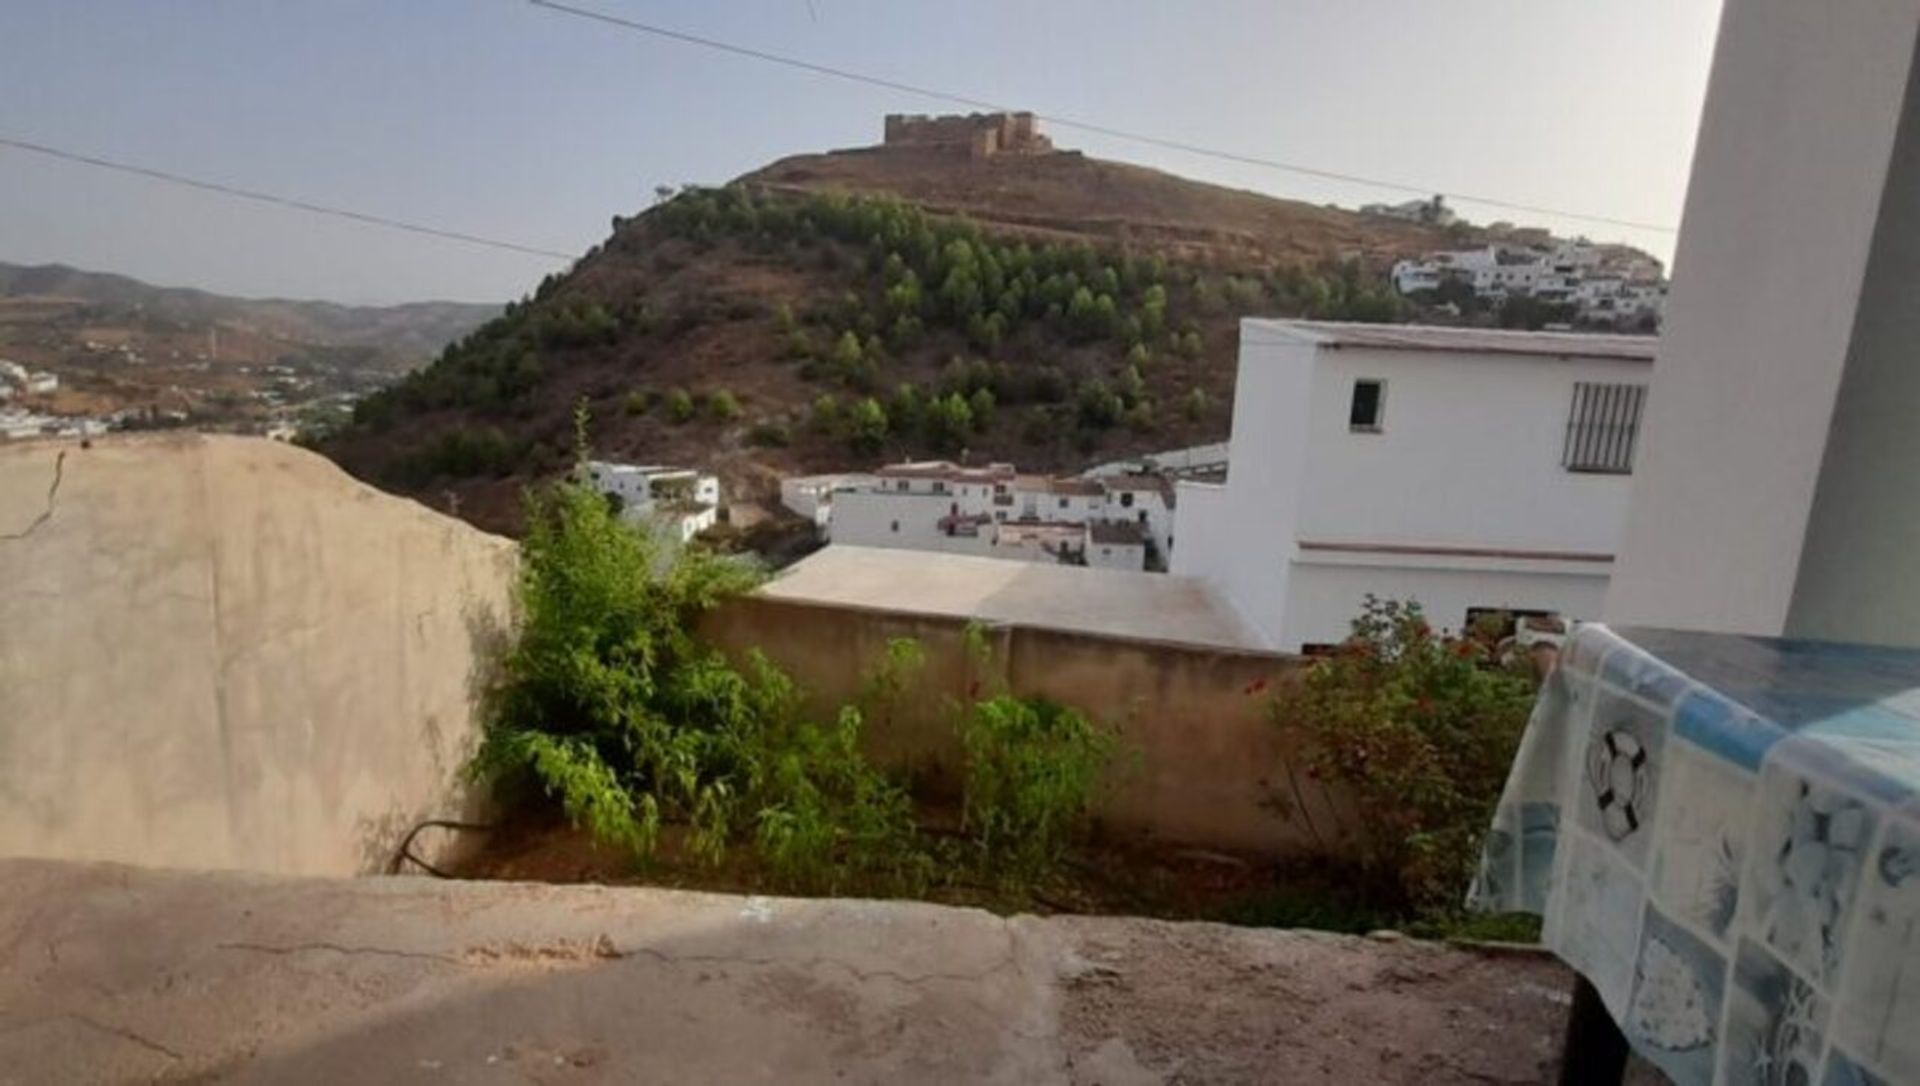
[[223, 652], [1201, 763]]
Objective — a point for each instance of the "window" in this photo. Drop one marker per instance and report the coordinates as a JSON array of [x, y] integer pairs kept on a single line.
[[1063, 503], [1601, 428], [1126, 499], [896, 525], [1369, 406], [901, 485], [939, 487]]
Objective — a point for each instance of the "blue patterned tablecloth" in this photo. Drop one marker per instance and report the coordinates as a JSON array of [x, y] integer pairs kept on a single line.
[[1722, 834]]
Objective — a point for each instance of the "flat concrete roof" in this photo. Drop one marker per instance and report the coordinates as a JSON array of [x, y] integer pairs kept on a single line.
[[1114, 603], [119, 974], [1431, 337]]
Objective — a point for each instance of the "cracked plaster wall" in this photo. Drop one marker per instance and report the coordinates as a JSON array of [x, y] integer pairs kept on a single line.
[[224, 652]]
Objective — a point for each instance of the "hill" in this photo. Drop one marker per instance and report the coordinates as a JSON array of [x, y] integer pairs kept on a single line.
[[118, 343], [830, 311]]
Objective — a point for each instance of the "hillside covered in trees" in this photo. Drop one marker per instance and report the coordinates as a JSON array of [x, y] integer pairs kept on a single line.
[[762, 329]]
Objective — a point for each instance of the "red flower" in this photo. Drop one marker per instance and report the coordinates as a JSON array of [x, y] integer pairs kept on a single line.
[[973, 690], [1255, 686]]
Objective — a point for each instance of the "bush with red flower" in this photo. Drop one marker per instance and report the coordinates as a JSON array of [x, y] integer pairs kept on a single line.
[[1419, 728]]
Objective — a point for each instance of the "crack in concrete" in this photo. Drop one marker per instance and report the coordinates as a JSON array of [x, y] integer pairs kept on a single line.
[[473, 958], [53, 492], [338, 948], [92, 1023], [856, 972]]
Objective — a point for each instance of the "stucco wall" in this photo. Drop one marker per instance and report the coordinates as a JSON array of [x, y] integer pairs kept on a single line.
[[1469, 452], [1800, 123], [223, 652], [1323, 597], [1468, 456], [1201, 763]]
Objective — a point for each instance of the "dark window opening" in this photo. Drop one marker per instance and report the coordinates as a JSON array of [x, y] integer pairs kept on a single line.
[[1369, 406], [1602, 428], [1126, 499], [896, 525]]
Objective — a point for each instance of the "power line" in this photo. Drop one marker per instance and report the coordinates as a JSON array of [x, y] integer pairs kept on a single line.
[[279, 201], [1084, 126]]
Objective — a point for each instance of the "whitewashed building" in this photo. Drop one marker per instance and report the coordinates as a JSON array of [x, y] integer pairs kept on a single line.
[[994, 511], [1115, 544], [684, 501], [1468, 469], [811, 496], [1606, 284]]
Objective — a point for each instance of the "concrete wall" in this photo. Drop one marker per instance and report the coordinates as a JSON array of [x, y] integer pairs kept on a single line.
[[1241, 537], [1324, 593], [870, 518], [1201, 762], [1789, 172], [1860, 566], [223, 652]]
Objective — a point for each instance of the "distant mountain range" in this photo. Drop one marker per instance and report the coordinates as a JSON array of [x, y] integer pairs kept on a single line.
[[400, 336]]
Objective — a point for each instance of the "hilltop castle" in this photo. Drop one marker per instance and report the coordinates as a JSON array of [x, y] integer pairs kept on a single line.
[[980, 135]]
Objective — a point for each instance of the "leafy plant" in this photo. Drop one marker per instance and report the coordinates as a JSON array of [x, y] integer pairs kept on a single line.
[[1033, 768], [610, 706], [1420, 729], [723, 406]]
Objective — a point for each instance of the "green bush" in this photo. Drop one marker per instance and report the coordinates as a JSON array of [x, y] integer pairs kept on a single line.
[[1420, 729], [609, 705], [463, 452], [722, 406], [1033, 768], [680, 405], [867, 427]]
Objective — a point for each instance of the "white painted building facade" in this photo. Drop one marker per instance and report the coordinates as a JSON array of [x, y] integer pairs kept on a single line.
[[811, 496], [683, 501], [1781, 443], [994, 511], [1464, 468]]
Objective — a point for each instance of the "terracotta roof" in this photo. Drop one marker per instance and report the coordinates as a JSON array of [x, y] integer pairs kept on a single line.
[[1427, 337], [1115, 532]]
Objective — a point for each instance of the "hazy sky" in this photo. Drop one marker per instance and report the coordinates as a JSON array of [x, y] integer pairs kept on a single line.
[[498, 118]]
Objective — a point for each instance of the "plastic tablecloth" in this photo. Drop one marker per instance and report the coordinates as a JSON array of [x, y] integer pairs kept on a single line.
[[1722, 835]]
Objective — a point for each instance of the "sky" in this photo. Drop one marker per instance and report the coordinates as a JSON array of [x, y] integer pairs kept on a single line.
[[506, 120]]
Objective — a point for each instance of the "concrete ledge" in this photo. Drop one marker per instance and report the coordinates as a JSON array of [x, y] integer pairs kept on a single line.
[[119, 974]]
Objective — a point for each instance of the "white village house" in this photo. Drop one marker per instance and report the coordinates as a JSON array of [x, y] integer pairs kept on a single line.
[[1606, 284], [995, 511], [1468, 469], [684, 501]]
